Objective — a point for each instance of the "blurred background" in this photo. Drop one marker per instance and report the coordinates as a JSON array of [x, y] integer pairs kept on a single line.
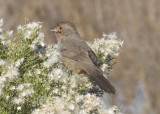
[[136, 76]]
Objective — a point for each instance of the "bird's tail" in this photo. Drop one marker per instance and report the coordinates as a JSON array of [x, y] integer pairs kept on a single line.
[[104, 84]]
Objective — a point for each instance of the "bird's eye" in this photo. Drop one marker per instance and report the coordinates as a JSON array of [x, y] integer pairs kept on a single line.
[[60, 27]]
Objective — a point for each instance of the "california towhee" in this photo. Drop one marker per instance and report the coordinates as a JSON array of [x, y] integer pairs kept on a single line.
[[78, 56]]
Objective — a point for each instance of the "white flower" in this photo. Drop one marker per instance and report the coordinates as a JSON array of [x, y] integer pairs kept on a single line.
[[42, 44], [27, 85], [32, 25], [27, 92], [6, 41], [12, 88], [11, 73], [23, 94], [48, 88], [7, 97], [112, 35], [29, 73], [73, 81], [27, 34], [33, 46], [1, 22], [20, 27], [104, 67], [18, 108], [55, 91], [91, 102], [18, 100], [114, 110], [10, 33], [18, 62], [2, 80], [71, 106], [20, 87], [79, 98], [38, 71], [56, 74], [41, 35], [53, 56], [2, 62]]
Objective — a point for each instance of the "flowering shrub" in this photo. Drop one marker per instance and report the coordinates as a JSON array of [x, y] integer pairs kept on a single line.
[[34, 80]]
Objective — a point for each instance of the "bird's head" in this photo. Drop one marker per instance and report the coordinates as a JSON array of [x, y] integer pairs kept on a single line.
[[64, 29]]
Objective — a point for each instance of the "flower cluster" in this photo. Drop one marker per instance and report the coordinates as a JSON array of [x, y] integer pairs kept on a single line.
[[34, 80], [5, 37], [1, 24], [107, 49]]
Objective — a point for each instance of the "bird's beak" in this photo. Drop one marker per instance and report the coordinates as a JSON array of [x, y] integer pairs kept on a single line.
[[54, 29]]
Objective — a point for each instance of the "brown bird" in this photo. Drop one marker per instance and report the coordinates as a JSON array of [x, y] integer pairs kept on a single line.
[[78, 56]]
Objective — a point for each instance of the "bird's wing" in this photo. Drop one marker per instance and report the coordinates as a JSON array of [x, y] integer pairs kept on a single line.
[[83, 52], [93, 58]]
